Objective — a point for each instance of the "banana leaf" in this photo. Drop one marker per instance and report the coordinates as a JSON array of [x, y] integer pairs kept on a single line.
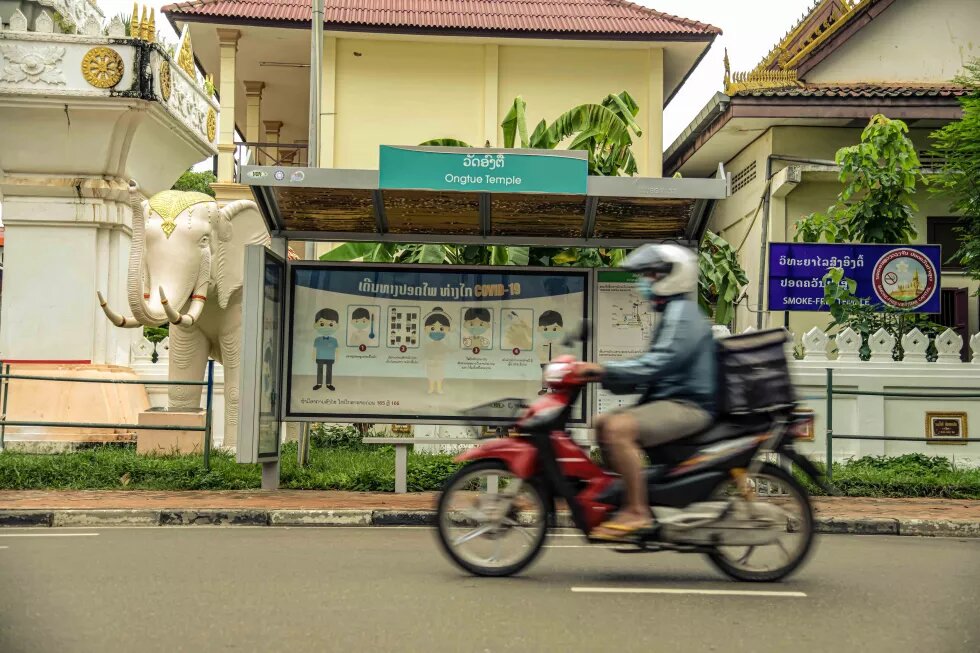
[[515, 123]]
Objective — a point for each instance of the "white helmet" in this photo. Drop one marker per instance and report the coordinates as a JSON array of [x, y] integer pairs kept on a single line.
[[679, 266]]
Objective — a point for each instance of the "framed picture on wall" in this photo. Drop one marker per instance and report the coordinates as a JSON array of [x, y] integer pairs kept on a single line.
[[946, 428]]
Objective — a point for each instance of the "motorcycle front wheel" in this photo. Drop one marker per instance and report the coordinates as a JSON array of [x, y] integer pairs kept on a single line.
[[794, 531], [490, 522]]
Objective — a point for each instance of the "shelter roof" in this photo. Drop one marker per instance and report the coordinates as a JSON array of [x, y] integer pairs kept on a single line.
[[597, 17], [331, 204]]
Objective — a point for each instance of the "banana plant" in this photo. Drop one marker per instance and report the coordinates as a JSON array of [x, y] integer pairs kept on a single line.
[[604, 130]]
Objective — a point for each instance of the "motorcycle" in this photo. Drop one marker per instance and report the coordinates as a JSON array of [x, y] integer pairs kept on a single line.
[[718, 493]]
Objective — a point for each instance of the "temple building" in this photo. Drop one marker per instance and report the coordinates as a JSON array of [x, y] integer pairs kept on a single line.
[[777, 129]]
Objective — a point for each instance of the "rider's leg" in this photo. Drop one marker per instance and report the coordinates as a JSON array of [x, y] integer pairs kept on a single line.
[[618, 434]]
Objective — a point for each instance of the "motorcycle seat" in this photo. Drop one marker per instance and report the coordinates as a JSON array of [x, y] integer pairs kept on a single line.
[[729, 428]]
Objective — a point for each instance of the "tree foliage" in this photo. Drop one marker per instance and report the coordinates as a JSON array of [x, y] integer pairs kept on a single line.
[[879, 177], [199, 182], [958, 146]]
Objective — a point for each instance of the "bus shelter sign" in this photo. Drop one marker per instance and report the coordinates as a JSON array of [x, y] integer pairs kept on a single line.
[[904, 277], [483, 171]]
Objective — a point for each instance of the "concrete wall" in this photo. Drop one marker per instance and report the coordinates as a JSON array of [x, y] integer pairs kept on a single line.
[[738, 219], [892, 46], [405, 92]]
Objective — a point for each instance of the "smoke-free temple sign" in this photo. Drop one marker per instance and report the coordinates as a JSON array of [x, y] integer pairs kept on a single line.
[[483, 171], [901, 276]]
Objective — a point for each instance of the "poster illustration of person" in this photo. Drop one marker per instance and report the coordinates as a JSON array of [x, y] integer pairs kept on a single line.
[[435, 347], [476, 328], [325, 346], [362, 328], [551, 327]]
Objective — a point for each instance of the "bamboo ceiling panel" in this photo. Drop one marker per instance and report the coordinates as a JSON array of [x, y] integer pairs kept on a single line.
[[644, 218], [559, 216], [429, 212], [326, 209]]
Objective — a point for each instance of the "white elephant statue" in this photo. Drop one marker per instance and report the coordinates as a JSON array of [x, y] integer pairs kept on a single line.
[[186, 267]]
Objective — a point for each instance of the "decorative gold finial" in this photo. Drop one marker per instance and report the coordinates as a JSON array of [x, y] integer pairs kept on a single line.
[[185, 53], [728, 71], [151, 29], [134, 22], [143, 22]]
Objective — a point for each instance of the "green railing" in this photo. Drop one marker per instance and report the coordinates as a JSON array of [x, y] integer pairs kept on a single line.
[[6, 377], [832, 392]]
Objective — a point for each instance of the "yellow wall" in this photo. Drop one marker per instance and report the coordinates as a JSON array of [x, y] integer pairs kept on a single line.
[[403, 93], [406, 92]]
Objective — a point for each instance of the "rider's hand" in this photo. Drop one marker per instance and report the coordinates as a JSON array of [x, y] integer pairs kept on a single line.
[[589, 371]]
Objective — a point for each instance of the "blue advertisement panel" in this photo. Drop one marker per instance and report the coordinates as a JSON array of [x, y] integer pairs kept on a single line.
[[901, 276], [415, 343]]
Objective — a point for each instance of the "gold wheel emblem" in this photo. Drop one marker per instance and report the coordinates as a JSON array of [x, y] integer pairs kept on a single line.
[[212, 125], [165, 80], [102, 67]]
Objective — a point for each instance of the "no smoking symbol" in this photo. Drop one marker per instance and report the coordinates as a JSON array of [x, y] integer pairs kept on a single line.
[[891, 278]]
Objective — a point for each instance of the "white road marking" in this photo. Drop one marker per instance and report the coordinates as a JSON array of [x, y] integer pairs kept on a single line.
[[666, 590], [48, 534], [4, 547]]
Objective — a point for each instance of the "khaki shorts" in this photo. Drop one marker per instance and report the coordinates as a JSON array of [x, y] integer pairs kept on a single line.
[[668, 420]]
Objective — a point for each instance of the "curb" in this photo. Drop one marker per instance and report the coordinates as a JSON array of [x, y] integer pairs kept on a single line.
[[368, 518]]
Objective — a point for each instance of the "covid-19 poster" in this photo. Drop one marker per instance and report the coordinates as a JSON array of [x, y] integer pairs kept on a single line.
[[399, 343]]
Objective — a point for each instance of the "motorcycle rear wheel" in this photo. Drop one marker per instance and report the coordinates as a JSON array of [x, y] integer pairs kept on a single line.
[[802, 524], [527, 519]]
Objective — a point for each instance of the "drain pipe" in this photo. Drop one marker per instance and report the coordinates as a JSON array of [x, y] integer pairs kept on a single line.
[[764, 243]]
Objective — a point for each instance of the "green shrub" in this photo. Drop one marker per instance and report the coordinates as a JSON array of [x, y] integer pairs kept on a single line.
[[335, 437]]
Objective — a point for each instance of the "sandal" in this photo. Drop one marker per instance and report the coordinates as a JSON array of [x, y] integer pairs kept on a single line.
[[622, 532]]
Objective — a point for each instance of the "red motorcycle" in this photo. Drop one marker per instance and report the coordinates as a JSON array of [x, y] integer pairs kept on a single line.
[[719, 493]]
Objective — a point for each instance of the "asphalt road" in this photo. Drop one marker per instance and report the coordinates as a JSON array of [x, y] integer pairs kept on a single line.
[[386, 589]]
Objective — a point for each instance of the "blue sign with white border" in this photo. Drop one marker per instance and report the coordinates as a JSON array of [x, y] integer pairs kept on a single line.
[[906, 277]]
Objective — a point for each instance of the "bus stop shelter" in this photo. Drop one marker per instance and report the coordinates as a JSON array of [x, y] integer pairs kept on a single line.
[[440, 195]]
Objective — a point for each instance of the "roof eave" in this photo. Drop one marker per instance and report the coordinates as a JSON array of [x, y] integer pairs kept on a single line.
[[712, 118], [683, 37]]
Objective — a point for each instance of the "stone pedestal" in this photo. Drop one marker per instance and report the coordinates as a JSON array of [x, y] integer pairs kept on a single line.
[[57, 401], [161, 443]]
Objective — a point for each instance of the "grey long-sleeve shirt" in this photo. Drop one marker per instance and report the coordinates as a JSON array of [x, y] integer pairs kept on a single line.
[[680, 364]]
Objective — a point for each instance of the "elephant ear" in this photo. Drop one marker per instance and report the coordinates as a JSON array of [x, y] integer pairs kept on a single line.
[[238, 225]]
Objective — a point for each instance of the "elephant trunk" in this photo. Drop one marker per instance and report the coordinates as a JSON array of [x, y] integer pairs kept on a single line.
[[197, 299], [136, 290]]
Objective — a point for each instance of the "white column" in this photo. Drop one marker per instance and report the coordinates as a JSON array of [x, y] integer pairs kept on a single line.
[[228, 46], [272, 129], [253, 111]]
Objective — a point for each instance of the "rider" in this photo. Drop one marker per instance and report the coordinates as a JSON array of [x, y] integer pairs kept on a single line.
[[676, 379]]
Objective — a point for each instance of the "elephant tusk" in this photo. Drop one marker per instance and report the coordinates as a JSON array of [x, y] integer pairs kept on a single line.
[[173, 315], [116, 318]]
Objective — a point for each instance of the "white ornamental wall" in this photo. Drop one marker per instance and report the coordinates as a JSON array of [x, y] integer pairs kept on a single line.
[[147, 370]]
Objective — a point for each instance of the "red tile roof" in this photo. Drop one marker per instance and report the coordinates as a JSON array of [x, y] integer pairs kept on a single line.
[[555, 16], [857, 90]]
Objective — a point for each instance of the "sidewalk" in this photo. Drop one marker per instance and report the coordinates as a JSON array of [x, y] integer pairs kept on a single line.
[[858, 515]]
